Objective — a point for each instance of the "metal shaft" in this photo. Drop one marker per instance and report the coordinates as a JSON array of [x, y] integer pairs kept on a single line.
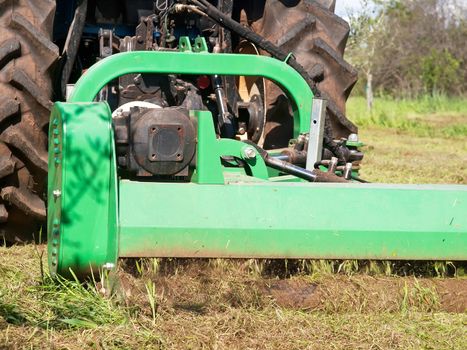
[[224, 117], [291, 169]]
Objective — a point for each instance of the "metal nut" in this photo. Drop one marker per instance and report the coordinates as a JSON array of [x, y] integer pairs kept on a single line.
[[56, 193], [249, 153], [353, 138], [108, 266]]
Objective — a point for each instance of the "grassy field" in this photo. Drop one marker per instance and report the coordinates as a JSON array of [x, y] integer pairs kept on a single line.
[[421, 141], [251, 304]]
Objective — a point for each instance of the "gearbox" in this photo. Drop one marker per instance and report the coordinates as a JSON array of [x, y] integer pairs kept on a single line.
[[155, 141]]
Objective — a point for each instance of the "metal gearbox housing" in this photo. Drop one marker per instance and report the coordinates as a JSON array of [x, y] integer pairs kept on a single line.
[[155, 141], [97, 215]]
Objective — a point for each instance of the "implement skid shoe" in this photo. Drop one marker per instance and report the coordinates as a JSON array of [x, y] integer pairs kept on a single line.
[[95, 217]]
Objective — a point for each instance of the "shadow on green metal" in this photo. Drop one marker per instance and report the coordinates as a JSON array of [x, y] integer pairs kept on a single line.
[[82, 205]]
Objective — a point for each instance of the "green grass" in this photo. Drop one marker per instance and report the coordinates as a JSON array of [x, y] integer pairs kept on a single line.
[[226, 304], [55, 304], [404, 108], [429, 116]]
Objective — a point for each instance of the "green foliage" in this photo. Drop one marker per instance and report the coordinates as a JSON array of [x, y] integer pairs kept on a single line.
[[419, 298], [411, 47], [151, 294], [62, 304], [33, 298], [440, 70]]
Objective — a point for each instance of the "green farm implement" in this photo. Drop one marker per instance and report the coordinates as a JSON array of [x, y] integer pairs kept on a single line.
[[156, 181], [196, 128]]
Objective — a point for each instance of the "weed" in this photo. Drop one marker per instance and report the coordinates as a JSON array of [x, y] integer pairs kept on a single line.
[[416, 297], [256, 266], [151, 294], [30, 297]]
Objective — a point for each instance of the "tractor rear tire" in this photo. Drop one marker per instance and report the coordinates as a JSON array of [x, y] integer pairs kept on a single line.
[[27, 57], [317, 38]]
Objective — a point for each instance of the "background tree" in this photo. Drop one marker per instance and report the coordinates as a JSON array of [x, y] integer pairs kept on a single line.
[[411, 47]]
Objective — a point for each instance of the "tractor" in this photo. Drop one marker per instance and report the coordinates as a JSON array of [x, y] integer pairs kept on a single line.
[[46, 45], [197, 129]]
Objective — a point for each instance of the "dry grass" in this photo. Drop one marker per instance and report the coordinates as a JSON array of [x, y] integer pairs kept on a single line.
[[395, 156], [265, 329]]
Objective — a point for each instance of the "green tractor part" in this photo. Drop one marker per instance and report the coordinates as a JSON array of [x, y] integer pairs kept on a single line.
[[99, 212]]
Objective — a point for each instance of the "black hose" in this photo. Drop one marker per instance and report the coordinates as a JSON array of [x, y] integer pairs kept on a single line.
[[276, 52]]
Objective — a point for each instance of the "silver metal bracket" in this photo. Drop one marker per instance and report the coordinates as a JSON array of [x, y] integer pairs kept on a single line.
[[315, 139]]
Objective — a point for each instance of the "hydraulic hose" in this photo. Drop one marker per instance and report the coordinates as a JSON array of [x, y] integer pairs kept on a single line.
[[289, 168]]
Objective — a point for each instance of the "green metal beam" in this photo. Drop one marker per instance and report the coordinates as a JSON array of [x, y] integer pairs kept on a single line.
[[210, 149], [293, 220], [161, 62]]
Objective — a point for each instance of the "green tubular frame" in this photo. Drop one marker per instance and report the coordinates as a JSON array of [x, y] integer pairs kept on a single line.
[[94, 217], [117, 65]]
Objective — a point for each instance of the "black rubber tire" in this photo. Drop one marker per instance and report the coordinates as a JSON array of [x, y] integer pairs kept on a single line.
[[27, 57], [317, 38]]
